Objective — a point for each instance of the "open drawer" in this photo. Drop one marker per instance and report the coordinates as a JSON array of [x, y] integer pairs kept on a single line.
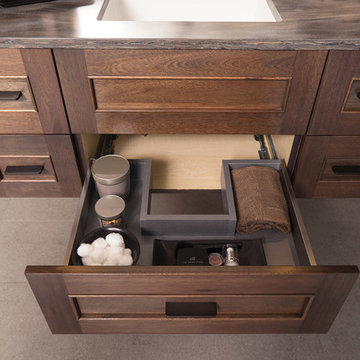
[[291, 294]]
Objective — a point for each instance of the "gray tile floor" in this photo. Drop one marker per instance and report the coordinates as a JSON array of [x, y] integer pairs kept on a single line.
[[36, 231]]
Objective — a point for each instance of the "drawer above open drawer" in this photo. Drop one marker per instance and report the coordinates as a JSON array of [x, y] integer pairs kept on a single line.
[[290, 294], [192, 91]]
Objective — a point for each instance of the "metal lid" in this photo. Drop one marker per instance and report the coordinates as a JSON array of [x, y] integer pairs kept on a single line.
[[110, 207], [110, 169]]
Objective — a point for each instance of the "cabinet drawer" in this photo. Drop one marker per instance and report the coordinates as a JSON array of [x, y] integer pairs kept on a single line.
[[192, 91], [42, 165], [290, 294], [337, 109], [15, 94], [328, 166], [30, 97]]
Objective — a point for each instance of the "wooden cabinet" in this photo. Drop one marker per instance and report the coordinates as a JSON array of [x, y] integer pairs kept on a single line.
[[30, 95], [337, 108], [38, 165], [189, 91], [328, 166], [174, 92]]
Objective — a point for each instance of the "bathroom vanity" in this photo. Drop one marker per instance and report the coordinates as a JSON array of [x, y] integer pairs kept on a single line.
[[183, 93]]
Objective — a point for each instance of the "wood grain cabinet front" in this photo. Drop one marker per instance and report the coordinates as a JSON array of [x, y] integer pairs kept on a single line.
[[30, 95], [189, 91], [328, 166], [337, 109], [38, 165], [291, 294]]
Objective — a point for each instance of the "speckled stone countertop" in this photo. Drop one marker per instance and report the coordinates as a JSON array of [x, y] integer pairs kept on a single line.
[[306, 24]]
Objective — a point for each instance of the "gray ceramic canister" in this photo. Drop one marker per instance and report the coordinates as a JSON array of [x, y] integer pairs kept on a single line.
[[109, 209], [112, 175]]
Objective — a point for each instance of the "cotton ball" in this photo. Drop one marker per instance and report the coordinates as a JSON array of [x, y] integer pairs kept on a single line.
[[114, 251], [125, 260], [98, 255], [115, 239], [111, 260], [84, 250], [111, 253], [87, 261], [99, 243], [127, 251]]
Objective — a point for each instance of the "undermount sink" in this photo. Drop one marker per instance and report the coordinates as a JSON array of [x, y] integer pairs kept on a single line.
[[189, 10]]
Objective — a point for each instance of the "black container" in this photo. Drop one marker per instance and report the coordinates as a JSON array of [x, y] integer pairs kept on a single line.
[[250, 251], [130, 240]]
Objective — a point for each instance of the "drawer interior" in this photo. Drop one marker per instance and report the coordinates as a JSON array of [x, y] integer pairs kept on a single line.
[[192, 161], [280, 249]]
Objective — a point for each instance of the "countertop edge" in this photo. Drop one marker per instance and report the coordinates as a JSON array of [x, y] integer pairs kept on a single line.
[[172, 44]]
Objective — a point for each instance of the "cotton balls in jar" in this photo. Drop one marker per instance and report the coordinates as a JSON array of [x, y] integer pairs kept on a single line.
[[108, 251]]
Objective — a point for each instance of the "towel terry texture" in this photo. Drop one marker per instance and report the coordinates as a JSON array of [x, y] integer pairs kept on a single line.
[[259, 200]]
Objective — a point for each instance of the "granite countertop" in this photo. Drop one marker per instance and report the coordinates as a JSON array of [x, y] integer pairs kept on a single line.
[[306, 24]]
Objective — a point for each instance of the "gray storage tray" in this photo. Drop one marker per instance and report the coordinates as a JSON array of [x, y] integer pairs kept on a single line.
[[279, 248], [221, 222]]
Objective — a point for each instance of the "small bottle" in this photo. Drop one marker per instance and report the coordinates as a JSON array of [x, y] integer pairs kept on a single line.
[[231, 255], [110, 210]]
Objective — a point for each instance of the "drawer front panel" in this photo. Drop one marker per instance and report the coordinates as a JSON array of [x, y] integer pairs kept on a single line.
[[190, 95], [11, 63], [42, 165], [328, 166], [20, 122], [245, 306], [240, 91], [337, 109], [196, 284], [263, 300], [15, 94], [26, 169], [336, 169], [352, 100], [189, 63], [30, 97], [18, 111]]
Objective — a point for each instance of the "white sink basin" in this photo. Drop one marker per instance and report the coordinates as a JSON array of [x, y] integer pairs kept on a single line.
[[189, 10]]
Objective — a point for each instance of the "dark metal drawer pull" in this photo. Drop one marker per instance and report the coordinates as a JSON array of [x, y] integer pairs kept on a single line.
[[191, 309], [10, 95], [358, 95], [24, 170], [346, 169]]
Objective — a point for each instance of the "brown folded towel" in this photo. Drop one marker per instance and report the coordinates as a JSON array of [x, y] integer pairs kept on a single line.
[[259, 199]]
